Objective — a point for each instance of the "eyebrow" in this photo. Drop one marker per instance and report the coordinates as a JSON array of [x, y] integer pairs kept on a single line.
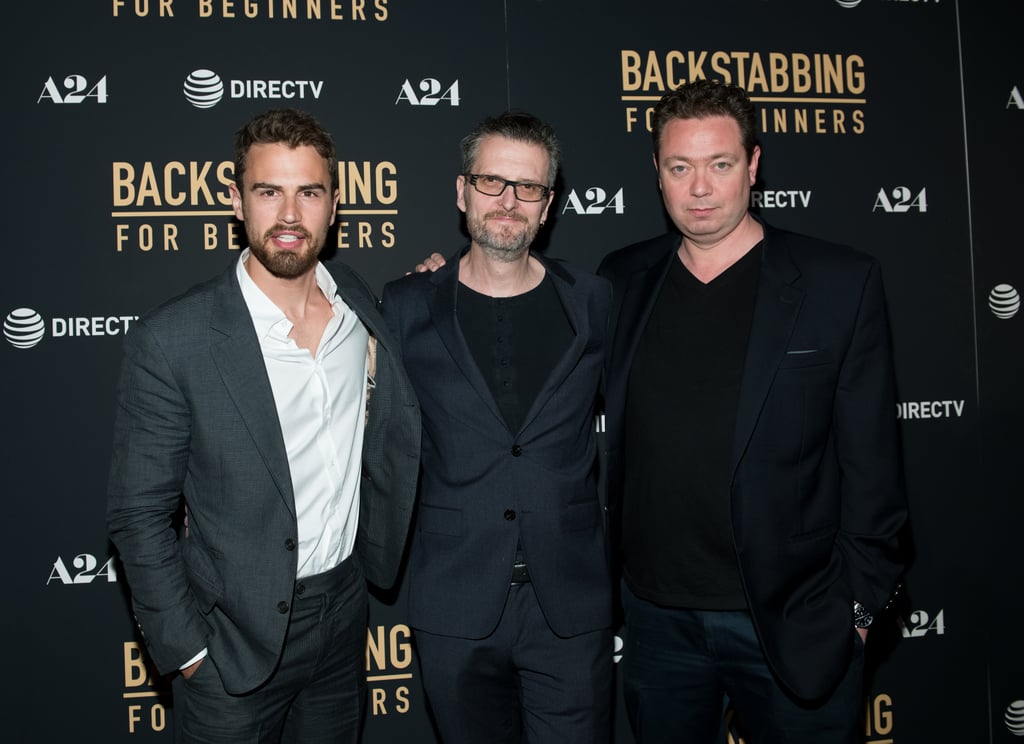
[[713, 156], [304, 187]]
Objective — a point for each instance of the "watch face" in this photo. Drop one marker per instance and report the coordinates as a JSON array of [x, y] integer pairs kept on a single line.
[[861, 617]]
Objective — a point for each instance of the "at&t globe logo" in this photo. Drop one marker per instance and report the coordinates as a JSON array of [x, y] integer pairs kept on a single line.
[[1004, 301], [1014, 717], [204, 88], [24, 328]]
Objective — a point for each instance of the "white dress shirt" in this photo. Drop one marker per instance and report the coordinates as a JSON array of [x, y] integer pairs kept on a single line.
[[321, 404]]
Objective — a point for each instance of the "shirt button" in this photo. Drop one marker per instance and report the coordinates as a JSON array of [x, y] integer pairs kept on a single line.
[[282, 607], [516, 450], [510, 515]]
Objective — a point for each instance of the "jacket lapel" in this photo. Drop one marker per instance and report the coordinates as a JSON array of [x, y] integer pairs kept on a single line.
[[775, 312], [237, 355], [574, 305], [443, 309]]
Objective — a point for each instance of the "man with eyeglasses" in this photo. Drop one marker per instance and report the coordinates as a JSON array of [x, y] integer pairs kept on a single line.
[[509, 586]]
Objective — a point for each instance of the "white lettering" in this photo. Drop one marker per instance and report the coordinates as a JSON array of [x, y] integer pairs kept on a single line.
[[780, 199], [1016, 101], [929, 409]]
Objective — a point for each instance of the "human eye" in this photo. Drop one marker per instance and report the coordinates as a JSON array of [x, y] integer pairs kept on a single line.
[[531, 189], [267, 193], [491, 180], [722, 165]]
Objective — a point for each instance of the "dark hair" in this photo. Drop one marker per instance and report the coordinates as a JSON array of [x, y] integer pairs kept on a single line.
[[513, 125], [289, 127], [701, 99]]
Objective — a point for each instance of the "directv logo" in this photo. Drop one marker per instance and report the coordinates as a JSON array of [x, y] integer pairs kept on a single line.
[[24, 328], [204, 88]]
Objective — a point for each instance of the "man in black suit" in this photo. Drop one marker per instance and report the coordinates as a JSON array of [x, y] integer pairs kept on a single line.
[[752, 451], [244, 402], [509, 587]]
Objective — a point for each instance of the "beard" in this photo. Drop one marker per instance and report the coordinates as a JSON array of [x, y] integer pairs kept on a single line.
[[285, 264], [505, 244]]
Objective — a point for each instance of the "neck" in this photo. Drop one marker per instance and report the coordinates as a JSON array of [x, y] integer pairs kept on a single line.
[[494, 278], [706, 259], [292, 295]]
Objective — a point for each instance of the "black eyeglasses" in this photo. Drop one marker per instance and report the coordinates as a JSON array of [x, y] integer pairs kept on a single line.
[[495, 186]]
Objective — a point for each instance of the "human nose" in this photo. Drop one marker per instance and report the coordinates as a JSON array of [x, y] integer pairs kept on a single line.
[[507, 199], [700, 184], [289, 211]]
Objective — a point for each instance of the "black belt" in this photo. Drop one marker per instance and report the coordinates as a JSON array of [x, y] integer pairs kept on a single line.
[[520, 575]]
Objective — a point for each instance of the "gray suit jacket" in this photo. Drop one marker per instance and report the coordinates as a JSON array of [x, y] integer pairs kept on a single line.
[[486, 488], [196, 419]]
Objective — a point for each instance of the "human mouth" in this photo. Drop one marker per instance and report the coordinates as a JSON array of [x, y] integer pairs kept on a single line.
[[288, 240]]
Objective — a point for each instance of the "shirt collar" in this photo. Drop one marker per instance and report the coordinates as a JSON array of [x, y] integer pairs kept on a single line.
[[268, 317]]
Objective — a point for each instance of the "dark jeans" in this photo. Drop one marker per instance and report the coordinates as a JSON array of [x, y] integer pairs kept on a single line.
[[317, 693], [680, 666]]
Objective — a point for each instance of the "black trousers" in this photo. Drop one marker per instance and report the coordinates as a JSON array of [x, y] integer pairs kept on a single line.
[[317, 693], [520, 684]]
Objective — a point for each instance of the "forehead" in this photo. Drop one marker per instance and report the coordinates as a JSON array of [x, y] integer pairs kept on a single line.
[[500, 156], [280, 164], [685, 136]]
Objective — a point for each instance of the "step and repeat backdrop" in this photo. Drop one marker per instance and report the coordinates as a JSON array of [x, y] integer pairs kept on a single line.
[[892, 125]]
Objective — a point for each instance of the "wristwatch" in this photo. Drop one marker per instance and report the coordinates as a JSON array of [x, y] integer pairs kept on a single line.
[[861, 617]]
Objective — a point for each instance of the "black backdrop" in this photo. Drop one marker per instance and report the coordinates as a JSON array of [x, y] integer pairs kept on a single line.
[[893, 125]]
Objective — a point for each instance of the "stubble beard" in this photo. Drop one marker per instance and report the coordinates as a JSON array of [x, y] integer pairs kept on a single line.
[[504, 245]]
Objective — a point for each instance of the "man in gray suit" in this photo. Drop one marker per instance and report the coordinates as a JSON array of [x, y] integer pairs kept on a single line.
[[246, 405], [509, 587]]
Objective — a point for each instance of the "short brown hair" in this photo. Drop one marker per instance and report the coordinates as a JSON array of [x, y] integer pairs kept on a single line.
[[701, 99], [290, 127]]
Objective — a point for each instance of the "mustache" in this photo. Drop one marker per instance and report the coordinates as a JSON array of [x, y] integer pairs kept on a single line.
[[288, 228], [505, 215]]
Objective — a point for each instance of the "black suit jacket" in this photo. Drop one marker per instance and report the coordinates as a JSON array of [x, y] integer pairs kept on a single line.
[[816, 489], [484, 487], [196, 419]]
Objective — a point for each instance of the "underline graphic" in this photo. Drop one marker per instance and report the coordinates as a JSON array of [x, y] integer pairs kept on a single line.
[[386, 677], [229, 213], [766, 99]]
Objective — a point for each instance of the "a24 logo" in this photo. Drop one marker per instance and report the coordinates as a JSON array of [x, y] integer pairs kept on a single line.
[[595, 201], [431, 93], [920, 623], [75, 89], [86, 569], [902, 200]]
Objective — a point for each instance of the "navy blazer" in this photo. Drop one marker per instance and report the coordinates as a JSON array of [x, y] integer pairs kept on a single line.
[[196, 419], [485, 488], [816, 490]]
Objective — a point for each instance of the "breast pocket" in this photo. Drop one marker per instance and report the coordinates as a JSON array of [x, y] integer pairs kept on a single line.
[[798, 358]]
